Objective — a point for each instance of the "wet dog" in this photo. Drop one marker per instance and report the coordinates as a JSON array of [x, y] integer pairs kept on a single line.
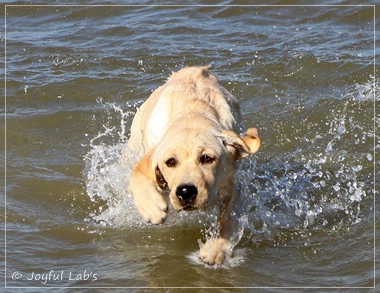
[[187, 136]]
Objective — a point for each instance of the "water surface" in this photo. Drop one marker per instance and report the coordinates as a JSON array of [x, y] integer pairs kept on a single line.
[[304, 75]]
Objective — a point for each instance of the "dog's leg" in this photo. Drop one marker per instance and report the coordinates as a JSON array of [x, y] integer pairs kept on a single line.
[[143, 186], [215, 250]]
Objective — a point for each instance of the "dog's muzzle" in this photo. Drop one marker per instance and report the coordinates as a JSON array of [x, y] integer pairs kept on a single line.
[[186, 194]]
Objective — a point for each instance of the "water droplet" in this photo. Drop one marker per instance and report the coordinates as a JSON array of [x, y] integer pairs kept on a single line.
[[357, 168], [341, 129]]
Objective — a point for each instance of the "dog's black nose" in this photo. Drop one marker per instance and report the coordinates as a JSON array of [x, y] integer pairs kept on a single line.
[[186, 193]]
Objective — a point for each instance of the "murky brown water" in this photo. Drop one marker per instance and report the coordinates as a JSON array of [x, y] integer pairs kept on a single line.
[[304, 75]]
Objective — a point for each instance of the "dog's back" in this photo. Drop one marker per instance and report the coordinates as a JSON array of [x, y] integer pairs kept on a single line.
[[190, 89]]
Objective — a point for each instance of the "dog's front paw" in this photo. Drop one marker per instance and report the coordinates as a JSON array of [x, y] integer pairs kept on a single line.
[[214, 251], [153, 209]]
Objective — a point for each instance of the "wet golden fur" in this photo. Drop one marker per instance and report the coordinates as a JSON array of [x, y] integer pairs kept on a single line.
[[186, 133]]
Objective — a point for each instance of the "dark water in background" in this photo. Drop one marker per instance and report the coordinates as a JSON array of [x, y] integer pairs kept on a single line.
[[304, 75]]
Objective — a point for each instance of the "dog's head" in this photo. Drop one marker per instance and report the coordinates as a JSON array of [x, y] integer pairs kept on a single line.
[[192, 162]]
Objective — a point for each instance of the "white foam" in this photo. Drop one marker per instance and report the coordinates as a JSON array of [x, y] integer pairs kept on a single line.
[[366, 92], [237, 259]]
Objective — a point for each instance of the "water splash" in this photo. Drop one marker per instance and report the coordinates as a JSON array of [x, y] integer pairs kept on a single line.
[[106, 174], [321, 184], [237, 259], [368, 91]]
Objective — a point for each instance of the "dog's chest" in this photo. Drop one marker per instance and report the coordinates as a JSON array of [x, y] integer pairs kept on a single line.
[[157, 122]]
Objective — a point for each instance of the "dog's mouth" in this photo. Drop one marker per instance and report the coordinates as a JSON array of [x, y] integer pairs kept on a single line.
[[189, 208], [193, 206], [183, 206]]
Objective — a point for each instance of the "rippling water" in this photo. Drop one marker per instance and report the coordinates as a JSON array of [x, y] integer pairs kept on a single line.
[[304, 75]]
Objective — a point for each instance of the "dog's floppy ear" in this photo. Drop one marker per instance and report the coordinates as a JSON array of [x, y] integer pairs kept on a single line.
[[241, 147], [148, 168]]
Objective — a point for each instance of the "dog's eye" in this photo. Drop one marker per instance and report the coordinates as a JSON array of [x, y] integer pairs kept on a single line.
[[171, 162], [206, 159]]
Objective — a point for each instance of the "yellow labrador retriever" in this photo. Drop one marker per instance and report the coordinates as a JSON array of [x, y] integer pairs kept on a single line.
[[187, 136]]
